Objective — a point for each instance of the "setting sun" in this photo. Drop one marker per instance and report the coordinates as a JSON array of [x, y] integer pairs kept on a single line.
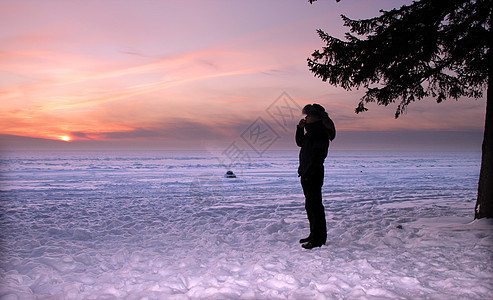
[[65, 138]]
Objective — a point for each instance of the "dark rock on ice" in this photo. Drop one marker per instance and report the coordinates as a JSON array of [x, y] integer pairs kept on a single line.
[[230, 174]]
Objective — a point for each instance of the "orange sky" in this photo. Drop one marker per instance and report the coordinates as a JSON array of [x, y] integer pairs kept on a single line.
[[174, 70]]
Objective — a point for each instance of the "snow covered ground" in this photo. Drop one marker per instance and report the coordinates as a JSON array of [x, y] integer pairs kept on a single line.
[[168, 225]]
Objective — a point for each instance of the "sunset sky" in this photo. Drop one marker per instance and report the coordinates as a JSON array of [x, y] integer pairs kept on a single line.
[[192, 75]]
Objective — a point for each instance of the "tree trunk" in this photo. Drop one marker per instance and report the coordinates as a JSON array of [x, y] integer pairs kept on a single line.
[[484, 203]]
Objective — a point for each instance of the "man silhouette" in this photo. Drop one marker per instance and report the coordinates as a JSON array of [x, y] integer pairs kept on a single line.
[[320, 130]]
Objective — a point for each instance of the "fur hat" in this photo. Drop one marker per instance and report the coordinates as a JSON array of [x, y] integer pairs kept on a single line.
[[318, 111]]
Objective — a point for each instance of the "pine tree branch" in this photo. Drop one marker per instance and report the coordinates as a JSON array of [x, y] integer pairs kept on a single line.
[[428, 48]]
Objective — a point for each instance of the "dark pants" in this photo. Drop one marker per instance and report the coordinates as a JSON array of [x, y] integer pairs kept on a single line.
[[312, 188]]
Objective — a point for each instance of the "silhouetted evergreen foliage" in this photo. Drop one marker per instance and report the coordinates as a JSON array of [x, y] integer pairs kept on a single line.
[[430, 48]]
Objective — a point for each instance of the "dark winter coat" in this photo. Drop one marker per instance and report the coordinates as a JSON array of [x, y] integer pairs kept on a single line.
[[314, 147]]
